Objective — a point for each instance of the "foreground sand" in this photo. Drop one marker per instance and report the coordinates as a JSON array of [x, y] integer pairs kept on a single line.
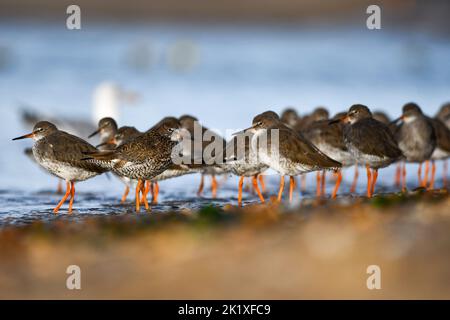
[[320, 250]]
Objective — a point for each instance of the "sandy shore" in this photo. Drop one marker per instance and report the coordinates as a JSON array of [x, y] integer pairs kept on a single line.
[[318, 250]]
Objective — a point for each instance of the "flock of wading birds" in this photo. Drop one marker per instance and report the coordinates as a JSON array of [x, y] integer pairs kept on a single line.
[[313, 142]]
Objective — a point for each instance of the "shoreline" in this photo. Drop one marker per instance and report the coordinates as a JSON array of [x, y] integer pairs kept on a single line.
[[316, 251]]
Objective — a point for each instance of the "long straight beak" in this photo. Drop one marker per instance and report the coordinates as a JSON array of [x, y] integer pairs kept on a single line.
[[110, 141], [29, 135], [243, 131], [94, 133], [334, 121], [342, 119]]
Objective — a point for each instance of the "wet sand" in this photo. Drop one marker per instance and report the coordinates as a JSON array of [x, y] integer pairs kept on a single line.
[[315, 250]]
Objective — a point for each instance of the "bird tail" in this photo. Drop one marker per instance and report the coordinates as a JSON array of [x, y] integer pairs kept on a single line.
[[106, 155], [328, 163]]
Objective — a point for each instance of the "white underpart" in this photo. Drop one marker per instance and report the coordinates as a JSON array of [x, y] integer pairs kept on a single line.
[[170, 173], [337, 154], [371, 160], [439, 154], [276, 161], [65, 171], [409, 119]]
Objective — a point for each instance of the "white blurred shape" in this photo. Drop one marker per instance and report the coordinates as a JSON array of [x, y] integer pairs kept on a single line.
[[107, 99]]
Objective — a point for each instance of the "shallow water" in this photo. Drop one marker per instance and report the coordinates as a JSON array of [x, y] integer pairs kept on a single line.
[[21, 208]]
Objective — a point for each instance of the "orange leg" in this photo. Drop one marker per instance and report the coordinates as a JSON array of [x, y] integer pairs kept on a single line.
[[142, 192], [433, 174], [213, 186], [138, 190], [404, 177], [291, 187], [398, 174], [125, 194], [338, 183], [322, 185], [145, 188], [355, 180], [303, 182], [72, 196], [261, 181], [152, 189], [145, 192], [241, 183], [59, 189], [155, 193], [68, 184], [255, 186], [374, 181], [369, 181], [280, 191], [444, 173], [419, 174], [318, 179], [427, 171], [200, 187]]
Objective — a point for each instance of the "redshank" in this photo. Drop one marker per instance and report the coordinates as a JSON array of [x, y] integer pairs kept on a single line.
[[381, 116], [109, 135], [285, 150], [318, 114], [107, 128], [444, 115], [329, 139], [442, 150], [289, 117], [241, 159], [370, 142], [384, 118], [416, 139], [127, 133], [61, 154], [192, 124]]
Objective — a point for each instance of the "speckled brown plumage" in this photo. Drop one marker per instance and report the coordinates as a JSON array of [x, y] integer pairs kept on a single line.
[[145, 156]]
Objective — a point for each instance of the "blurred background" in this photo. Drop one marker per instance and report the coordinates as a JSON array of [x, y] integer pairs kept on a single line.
[[222, 61]]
